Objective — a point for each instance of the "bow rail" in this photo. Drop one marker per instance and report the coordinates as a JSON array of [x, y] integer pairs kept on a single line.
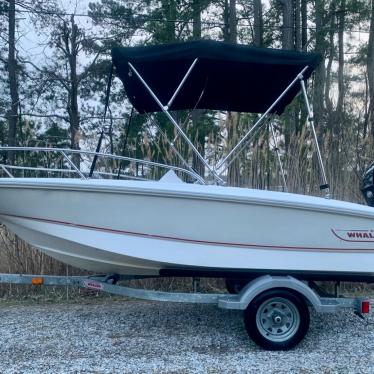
[[59, 161]]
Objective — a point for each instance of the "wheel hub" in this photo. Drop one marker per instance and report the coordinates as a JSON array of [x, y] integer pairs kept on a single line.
[[277, 319]]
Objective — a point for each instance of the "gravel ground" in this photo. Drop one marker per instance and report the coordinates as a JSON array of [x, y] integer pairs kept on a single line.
[[144, 337]]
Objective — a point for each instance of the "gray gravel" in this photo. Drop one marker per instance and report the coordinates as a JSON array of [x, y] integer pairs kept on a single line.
[[135, 336]]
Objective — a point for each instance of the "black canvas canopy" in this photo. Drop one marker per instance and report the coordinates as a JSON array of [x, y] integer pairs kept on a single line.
[[225, 77]]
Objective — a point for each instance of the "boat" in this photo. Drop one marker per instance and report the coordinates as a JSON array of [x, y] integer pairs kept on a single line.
[[173, 228]]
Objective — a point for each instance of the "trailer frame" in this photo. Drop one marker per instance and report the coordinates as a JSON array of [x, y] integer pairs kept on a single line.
[[266, 294]]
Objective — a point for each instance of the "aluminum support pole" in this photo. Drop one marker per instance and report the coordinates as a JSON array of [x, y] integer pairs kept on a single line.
[[181, 84], [73, 165], [252, 131], [279, 159], [181, 158], [325, 186], [174, 122], [7, 172], [245, 137]]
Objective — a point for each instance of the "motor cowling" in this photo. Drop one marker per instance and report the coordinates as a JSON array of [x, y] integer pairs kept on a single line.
[[367, 185]]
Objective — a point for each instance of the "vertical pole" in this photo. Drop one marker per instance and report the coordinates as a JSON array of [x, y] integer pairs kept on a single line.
[[93, 165], [325, 186]]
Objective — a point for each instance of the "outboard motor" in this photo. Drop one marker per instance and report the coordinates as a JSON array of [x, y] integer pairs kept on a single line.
[[367, 185]]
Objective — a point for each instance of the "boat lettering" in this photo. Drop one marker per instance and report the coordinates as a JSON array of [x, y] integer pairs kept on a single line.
[[360, 235], [355, 235], [92, 285]]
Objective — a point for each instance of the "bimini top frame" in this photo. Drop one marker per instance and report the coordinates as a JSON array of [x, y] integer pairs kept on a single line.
[[214, 75]]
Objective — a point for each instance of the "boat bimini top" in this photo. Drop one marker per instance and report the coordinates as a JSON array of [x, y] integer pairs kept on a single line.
[[221, 76], [207, 74]]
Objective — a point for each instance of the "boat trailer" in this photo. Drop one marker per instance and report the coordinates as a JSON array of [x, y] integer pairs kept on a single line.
[[276, 308]]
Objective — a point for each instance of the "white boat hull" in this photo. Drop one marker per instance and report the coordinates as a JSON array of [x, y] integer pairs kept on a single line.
[[144, 228]]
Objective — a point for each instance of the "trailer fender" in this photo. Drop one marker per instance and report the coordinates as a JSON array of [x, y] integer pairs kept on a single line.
[[265, 283]]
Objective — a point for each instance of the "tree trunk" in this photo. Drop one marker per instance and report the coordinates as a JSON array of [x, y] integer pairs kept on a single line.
[[73, 108], [13, 86], [232, 122], [169, 9], [226, 26], [232, 22], [197, 165], [298, 33], [287, 43], [288, 24], [341, 90], [232, 118], [199, 141], [257, 24], [328, 101], [304, 24], [320, 75], [196, 14], [370, 69], [366, 106]]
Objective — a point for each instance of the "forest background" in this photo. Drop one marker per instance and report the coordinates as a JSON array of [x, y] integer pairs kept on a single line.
[[53, 89]]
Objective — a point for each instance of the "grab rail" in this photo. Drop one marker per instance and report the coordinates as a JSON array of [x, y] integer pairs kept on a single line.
[[64, 152]]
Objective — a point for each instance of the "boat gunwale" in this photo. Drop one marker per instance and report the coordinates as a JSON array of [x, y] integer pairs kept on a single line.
[[164, 190]]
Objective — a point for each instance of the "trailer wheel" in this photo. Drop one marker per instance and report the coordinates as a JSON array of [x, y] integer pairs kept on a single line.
[[277, 319]]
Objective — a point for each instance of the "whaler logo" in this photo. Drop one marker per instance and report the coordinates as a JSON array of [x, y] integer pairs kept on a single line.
[[360, 235], [92, 285], [355, 235]]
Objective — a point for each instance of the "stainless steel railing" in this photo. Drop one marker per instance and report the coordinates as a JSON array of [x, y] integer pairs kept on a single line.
[[69, 168]]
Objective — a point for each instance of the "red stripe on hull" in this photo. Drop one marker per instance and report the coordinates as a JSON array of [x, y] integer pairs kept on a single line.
[[194, 241]]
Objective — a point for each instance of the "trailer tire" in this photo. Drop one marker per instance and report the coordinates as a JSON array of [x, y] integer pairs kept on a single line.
[[277, 319]]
